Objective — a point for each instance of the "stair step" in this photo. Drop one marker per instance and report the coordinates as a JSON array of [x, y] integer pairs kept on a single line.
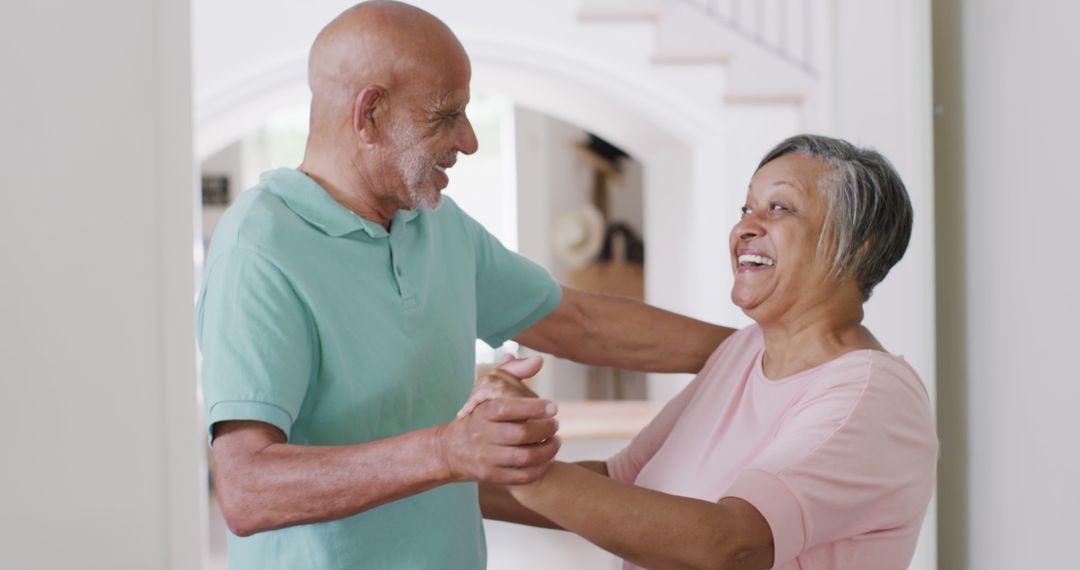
[[754, 71], [619, 10], [617, 15], [764, 98], [687, 39], [691, 58]]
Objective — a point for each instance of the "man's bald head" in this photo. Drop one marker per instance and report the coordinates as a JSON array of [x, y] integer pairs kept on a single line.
[[380, 42], [389, 85]]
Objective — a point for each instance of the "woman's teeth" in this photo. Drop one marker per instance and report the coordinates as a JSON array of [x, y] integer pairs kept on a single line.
[[756, 260]]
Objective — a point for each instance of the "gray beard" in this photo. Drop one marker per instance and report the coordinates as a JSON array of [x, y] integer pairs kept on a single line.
[[416, 168]]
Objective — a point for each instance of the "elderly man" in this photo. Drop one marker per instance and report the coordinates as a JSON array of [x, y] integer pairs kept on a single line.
[[339, 315]]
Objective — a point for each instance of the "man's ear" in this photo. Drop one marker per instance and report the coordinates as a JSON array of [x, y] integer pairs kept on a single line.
[[370, 103]]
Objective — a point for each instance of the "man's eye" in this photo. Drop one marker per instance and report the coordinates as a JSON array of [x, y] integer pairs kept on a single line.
[[776, 206]]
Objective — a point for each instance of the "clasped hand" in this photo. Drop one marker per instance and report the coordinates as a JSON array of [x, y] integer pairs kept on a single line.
[[504, 433]]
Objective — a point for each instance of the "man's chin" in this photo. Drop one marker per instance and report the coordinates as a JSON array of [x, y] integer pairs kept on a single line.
[[432, 203], [429, 201]]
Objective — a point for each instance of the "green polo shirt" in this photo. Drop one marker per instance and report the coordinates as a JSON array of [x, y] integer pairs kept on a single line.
[[336, 331]]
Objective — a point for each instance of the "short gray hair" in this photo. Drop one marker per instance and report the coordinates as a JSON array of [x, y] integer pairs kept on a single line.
[[869, 217]]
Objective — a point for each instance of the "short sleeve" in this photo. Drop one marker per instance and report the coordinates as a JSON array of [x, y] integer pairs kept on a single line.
[[853, 456], [257, 342], [512, 292]]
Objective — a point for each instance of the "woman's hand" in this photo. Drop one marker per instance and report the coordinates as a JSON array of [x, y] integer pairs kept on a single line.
[[505, 381]]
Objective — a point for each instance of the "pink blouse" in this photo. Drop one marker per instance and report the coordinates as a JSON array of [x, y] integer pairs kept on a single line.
[[840, 459]]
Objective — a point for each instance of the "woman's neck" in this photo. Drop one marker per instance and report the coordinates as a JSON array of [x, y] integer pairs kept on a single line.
[[815, 337]]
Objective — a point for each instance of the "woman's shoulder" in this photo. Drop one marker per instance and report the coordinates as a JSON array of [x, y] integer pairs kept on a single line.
[[876, 369], [749, 337], [877, 386]]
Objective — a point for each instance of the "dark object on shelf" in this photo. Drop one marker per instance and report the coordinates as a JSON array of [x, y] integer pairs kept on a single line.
[[609, 152], [215, 190], [633, 248]]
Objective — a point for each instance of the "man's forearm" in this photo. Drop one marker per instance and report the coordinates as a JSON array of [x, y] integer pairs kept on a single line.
[[283, 484], [610, 331], [265, 483]]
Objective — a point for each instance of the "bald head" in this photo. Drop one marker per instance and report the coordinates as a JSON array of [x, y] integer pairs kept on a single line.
[[385, 43], [389, 85]]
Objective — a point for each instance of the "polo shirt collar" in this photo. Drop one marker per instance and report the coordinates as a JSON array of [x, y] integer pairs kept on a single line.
[[308, 200]]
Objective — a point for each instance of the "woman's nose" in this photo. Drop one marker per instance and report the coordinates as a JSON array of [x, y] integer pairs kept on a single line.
[[747, 228]]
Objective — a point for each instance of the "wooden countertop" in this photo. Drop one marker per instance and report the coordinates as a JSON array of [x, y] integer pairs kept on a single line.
[[604, 419]]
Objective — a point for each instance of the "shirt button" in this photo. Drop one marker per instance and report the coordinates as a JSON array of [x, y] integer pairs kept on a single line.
[[398, 268]]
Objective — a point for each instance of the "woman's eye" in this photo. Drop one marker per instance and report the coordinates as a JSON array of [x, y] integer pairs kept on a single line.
[[777, 207], [745, 210]]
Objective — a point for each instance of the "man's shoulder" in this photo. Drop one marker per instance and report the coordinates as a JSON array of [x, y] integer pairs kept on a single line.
[[258, 220]]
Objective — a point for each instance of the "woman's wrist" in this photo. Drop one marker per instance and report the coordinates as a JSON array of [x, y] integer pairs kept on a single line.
[[531, 491]]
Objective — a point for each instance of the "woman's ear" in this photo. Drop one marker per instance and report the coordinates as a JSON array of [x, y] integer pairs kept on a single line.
[[370, 102]]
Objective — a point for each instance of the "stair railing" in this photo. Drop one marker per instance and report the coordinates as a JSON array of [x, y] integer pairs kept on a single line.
[[783, 27]]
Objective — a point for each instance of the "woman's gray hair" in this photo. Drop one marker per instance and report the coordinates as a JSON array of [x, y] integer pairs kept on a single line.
[[869, 217]]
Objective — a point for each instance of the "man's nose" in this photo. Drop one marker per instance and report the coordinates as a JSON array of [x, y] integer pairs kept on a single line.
[[467, 142]]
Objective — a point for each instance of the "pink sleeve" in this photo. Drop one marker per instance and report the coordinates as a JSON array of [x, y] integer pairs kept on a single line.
[[855, 455], [625, 465]]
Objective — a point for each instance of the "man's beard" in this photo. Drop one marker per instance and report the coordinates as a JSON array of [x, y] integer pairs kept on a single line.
[[417, 168]]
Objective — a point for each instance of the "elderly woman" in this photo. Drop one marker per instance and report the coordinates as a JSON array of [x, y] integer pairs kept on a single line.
[[803, 443]]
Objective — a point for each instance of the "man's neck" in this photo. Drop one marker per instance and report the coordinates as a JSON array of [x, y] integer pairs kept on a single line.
[[348, 187]]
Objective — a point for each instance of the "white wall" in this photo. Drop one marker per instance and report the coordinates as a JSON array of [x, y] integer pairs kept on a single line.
[[1007, 82], [100, 465], [881, 97]]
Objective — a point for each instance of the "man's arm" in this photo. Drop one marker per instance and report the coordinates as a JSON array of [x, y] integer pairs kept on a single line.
[[265, 483], [611, 331]]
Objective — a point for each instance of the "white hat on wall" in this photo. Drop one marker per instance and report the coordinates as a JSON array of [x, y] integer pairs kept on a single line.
[[578, 235]]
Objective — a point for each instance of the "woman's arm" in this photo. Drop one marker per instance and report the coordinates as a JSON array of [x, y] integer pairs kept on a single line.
[[497, 503], [649, 528]]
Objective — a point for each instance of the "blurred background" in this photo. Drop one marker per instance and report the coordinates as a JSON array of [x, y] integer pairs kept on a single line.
[[616, 142]]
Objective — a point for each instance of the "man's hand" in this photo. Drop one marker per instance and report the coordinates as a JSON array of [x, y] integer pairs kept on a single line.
[[503, 433], [510, 441]]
